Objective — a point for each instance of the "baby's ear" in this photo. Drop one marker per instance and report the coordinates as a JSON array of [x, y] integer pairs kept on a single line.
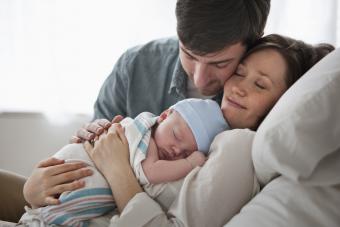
[[163, 115]]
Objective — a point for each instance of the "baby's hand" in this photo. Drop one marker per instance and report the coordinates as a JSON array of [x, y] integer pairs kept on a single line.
[[196, 159]]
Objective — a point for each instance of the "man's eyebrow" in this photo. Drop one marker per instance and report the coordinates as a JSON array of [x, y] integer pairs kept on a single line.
[[211, 63], [185, 51], [221, 61]]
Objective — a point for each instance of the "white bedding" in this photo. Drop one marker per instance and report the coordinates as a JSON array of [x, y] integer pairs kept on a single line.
[[296, 155], [284, 202]]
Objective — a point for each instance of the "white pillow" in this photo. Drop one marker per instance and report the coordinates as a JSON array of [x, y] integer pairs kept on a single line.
[[285, 203], [300, 138]]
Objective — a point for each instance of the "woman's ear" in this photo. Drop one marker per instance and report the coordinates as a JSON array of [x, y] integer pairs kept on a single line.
[[163, 115]]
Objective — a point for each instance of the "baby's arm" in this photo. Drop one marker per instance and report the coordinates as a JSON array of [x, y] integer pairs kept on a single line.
[[160, 171]]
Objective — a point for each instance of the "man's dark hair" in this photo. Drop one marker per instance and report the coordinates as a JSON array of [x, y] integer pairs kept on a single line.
[[208, 26]]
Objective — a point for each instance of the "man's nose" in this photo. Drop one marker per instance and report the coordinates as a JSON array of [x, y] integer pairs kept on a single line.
[[201, 77]]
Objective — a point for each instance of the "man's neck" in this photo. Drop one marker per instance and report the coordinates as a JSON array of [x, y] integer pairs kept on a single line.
[[192, 91]]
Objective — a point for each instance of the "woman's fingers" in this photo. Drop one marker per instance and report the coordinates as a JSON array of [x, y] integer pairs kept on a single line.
[[50, 162], [121, 133], [70, 186], [71, 175], [50, 200], [64, 167], [39, 189]]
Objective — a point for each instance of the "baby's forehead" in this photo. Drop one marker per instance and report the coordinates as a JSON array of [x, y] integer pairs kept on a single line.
[[178, 116], [180, 121]]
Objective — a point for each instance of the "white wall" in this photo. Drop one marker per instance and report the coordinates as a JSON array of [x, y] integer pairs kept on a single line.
[[26, 138]]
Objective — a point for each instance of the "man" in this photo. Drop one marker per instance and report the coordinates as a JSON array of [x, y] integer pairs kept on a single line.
[[212, 37]]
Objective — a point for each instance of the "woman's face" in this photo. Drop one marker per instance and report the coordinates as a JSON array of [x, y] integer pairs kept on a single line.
[[254, 88]]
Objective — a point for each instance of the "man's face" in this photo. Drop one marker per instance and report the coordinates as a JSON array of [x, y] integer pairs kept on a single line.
[[209, 72]]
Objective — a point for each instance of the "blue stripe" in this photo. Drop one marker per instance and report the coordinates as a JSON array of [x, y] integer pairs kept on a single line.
[[142, 147], [85, 192], [89, 212], [141, 128]]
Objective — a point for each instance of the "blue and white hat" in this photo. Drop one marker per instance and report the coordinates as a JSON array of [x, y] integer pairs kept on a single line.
[[204, 118]]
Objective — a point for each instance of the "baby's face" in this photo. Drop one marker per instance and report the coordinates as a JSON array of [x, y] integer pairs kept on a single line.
[[174, 138], [257, 84]]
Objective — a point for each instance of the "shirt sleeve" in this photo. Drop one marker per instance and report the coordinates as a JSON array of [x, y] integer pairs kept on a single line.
[[210, 195], [143, 211]]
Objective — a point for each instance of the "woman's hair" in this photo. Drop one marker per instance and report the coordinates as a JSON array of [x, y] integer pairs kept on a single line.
[[298, 55], [208, 26]]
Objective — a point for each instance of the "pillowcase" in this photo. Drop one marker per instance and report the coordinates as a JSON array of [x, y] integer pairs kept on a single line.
[[285, 203], [300, 137]]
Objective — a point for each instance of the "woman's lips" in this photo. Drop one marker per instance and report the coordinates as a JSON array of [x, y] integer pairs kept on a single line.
[[235, 104]]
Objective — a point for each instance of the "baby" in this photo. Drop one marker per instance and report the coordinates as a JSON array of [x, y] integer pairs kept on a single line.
[[162, 149]]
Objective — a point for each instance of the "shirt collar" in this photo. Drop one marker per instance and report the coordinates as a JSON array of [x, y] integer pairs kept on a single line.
[[179, 80]]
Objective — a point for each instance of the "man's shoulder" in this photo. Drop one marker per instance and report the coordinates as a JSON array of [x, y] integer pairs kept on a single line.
[[156, 47]]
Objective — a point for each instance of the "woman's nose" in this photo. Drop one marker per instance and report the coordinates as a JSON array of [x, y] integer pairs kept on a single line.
[[239, 90]]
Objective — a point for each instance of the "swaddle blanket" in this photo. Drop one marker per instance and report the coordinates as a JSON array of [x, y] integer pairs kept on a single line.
[[96, 198]]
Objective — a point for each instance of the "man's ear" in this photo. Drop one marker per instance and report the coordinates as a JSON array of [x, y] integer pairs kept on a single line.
[[163, 115]]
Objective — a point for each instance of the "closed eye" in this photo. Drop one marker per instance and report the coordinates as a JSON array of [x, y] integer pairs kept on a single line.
[[222, 65], [176, 137], [239, 74], [259, 85]]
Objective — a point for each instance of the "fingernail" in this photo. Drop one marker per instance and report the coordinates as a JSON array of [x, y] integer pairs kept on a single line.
[[99, 130], [88, 171], [90, 136]]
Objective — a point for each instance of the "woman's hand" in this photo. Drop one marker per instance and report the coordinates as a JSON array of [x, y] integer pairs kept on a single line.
[[110, 151], [90, 130], [52, 177], [110, 154]]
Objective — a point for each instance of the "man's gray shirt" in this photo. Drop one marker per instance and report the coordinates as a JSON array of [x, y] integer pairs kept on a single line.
[[145, 78]]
